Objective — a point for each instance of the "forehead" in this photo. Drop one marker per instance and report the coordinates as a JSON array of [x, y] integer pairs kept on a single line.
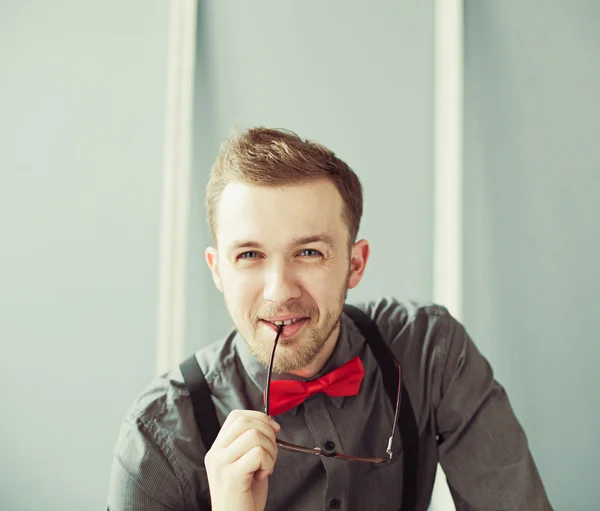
[[274, 215]]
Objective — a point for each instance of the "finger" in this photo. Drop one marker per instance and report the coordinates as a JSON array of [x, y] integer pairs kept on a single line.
[[260, 474], [253, 461], [247, 441], [229, 434], [236, 414]]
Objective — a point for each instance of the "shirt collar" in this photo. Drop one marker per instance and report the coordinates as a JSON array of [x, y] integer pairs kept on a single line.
[[348, 345]]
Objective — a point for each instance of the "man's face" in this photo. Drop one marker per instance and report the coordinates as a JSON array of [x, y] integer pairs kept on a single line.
[[283, 255]]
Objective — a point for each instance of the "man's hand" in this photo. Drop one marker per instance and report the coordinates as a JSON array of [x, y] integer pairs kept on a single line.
[[240, 461]]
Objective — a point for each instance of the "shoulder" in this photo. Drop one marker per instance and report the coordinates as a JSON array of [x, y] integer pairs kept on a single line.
[[407, 318], [162, 413], [218, 360], [159, 402], [159, 438], [419, 334]]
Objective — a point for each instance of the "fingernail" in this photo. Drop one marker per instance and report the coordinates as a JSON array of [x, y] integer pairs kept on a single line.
[[275, 425]]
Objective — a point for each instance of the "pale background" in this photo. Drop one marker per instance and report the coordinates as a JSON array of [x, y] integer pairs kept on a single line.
[[82, 102]]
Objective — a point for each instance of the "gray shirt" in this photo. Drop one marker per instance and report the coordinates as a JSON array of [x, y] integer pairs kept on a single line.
[[464, 418]]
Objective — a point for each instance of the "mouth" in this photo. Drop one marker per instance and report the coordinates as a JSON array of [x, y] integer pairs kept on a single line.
[[291, 326]]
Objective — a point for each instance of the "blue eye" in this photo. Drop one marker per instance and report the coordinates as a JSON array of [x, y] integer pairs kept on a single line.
[[310, 252], [248, 255]]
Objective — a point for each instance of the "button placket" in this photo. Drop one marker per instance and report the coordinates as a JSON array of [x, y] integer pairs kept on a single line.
[[325, 435]]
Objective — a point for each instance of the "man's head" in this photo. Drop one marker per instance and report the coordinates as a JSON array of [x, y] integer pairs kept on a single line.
[[284, 214]]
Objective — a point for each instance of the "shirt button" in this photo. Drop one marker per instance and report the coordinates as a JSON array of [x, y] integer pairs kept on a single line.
[[329, 445], [334, 504]]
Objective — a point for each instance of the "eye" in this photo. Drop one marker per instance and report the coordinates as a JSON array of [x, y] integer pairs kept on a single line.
[[310, 252], [248, 255]]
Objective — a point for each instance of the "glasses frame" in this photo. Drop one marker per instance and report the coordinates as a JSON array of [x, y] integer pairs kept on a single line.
[[334, 454]]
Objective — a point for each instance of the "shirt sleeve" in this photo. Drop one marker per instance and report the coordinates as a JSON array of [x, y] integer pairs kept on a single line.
[[142, 477], [482, 447]]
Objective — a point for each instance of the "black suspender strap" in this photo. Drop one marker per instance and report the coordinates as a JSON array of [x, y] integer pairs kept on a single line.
[[204, 409], [373, 337], [407, 423], [208, 424]]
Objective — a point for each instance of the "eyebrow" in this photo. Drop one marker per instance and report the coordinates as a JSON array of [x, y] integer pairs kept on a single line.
[[298, 240]]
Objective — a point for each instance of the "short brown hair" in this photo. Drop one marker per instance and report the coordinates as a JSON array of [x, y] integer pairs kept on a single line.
[[273, 157]]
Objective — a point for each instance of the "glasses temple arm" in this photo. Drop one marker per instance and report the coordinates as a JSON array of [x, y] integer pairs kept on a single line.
[[268, 387]]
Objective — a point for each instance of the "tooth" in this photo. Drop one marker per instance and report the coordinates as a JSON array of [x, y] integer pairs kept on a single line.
[[286, 322]]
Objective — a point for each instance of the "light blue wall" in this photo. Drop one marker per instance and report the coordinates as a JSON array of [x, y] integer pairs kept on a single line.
[[82, 93], [532, 225], [81, 133], [355, 76]]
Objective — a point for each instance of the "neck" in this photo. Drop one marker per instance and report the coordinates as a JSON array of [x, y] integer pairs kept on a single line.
[[322, 357]]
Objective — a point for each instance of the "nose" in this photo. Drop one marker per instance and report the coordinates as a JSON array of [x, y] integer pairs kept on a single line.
[[280, 285]]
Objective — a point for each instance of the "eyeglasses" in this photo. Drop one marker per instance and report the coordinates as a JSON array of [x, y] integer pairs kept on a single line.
[[317, 450]]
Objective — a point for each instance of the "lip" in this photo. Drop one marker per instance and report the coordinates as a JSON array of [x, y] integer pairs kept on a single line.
[[288, 331], [282, 318]]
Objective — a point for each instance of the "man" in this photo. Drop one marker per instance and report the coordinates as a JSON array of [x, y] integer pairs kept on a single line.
[[284, 215]]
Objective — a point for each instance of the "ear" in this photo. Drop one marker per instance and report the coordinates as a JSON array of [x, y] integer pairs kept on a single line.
[[212, 261], [359, 255]]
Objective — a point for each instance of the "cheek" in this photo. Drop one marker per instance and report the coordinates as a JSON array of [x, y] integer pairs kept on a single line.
[[241, 287], [322, 284]]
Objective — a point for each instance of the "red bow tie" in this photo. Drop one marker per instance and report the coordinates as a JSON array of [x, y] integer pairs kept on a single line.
[[343, 381]]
